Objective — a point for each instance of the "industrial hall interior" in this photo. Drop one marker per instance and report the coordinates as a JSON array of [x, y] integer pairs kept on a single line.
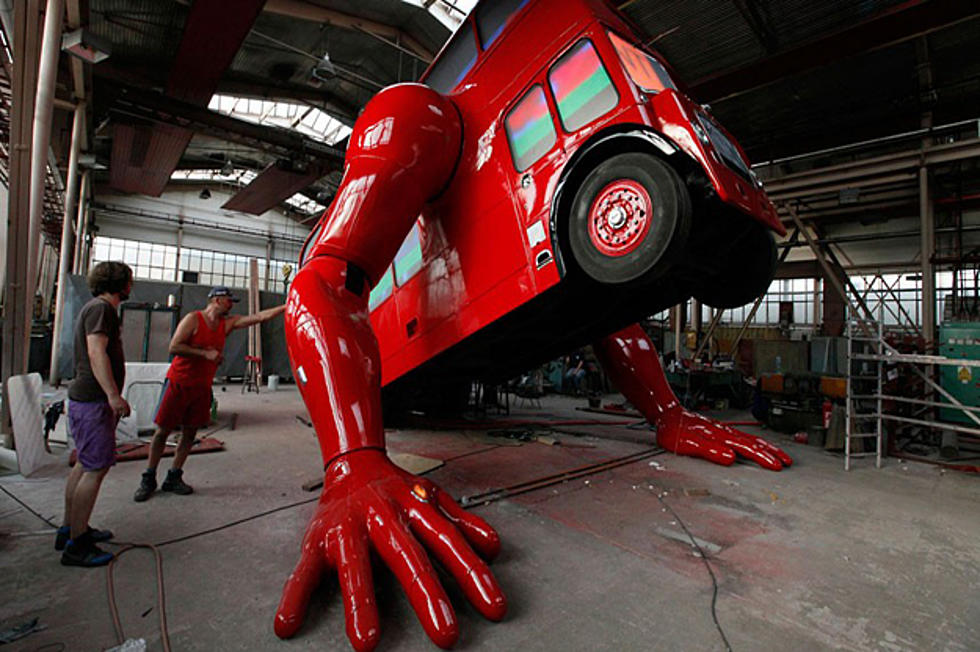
[[490, 325]]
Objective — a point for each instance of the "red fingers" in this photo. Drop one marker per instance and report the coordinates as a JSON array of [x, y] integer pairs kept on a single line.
[[481, 536], [415, 573], [300, 585], [749, 450], [705, 449], [349, 551], [455, 554]]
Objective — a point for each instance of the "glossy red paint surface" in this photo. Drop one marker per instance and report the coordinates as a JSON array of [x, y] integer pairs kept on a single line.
[[402, 152], [370, 504], [433, 212], [482, 238], [630, 360]]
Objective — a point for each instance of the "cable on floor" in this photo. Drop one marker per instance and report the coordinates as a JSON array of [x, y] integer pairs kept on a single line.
[[704, 559], [237, 522], [161, 598], [26, 506]]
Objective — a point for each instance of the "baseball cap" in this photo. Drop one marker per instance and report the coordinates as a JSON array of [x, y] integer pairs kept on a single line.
[[222, 291]]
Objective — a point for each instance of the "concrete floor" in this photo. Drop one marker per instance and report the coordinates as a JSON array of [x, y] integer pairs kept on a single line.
[[811, 558]]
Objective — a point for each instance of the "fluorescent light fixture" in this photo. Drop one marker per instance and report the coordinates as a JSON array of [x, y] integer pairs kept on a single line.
[[85, 45]]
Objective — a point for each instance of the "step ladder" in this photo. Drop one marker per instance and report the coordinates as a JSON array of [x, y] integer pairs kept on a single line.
[[865, 381]]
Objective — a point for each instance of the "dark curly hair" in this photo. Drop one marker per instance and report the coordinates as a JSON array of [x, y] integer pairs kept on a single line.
[[109, 276]]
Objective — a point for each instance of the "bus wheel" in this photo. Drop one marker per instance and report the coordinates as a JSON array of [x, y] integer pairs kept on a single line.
[[629, 219], [743, 274]]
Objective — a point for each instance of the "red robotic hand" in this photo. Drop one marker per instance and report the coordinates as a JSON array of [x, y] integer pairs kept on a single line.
[[687, 433], [368, 502], [630, 359]]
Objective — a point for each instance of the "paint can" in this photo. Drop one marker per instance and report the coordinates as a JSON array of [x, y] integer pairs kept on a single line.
[[273, 382]]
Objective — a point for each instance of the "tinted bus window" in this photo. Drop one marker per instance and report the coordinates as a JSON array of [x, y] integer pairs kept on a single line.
[[381, 291], [582, 87], [492, 16], [408, 260], [529, 129], [454, 63], [645, 71]]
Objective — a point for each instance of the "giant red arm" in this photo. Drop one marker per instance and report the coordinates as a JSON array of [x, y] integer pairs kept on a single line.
[[630, 359], [402, 152]]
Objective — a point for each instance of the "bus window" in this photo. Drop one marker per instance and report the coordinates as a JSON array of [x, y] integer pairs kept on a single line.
[[645, 71], [582, 87], [381, 291], [529, 129], [408, 260], [455, 62], [492, 16]]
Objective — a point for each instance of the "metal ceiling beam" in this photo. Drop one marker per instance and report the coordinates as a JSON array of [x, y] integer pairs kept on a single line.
[[234, 83], [906, 21], [143, 160], [318, 14], [157, 108], [273, 186], [814, 181]]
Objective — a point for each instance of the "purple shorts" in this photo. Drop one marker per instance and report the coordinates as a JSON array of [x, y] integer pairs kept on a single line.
[[93, 427]]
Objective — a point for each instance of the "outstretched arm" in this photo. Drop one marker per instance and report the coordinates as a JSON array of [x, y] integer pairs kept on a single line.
[[630, 360], [368, 503], [244, 321]]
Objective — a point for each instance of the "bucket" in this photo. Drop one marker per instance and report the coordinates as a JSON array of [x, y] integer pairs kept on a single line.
[[273, 382]]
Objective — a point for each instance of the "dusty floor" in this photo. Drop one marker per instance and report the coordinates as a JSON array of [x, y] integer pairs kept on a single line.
[[808, 559]]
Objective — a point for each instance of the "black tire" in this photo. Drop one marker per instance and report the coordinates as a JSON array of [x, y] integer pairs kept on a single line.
[[652, 253], [744, 274]]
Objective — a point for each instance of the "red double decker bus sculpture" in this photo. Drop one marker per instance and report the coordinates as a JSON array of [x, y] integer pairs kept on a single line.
[[547, 185]]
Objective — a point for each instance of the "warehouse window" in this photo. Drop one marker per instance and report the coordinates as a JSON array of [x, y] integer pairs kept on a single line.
[[157, 262], [530, 131], [148, 260], [582, 88]]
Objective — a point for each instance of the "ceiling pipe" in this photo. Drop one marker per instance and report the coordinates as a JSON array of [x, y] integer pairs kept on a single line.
[[43, 113]]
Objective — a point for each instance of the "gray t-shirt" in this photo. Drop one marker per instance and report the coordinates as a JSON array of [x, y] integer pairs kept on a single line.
[[97, 316]]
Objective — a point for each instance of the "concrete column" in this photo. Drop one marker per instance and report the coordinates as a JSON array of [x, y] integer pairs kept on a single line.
[[43, 110], [928, 232], [67, 242], [17, 303]]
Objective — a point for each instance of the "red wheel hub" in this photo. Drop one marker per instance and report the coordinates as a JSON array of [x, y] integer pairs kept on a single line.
[[620, 217]]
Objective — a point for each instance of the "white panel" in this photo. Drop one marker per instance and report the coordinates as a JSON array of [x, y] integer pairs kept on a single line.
[[25, 413]]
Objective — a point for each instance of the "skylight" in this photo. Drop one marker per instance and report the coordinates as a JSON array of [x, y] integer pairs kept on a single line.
[[448, 12], [240, 178], [303, 118]]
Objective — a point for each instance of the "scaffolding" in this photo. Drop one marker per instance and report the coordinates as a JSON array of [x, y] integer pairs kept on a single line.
[[871, 363]]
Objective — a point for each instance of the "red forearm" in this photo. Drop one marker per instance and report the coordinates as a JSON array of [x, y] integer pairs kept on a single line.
[[335, 358]]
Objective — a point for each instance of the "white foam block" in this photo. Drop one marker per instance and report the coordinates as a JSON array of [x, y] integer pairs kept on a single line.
[[144, 382], [24, 393]]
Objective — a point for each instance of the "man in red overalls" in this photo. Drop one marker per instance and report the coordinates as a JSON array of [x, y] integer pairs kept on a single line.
[[186, 401]]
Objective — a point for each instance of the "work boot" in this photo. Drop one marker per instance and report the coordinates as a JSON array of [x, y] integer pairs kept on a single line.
[[175, 483], [64, 534], [83, 552], [148, 484]]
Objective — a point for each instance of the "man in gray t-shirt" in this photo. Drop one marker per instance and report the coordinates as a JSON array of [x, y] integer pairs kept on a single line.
[[95, 406]]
